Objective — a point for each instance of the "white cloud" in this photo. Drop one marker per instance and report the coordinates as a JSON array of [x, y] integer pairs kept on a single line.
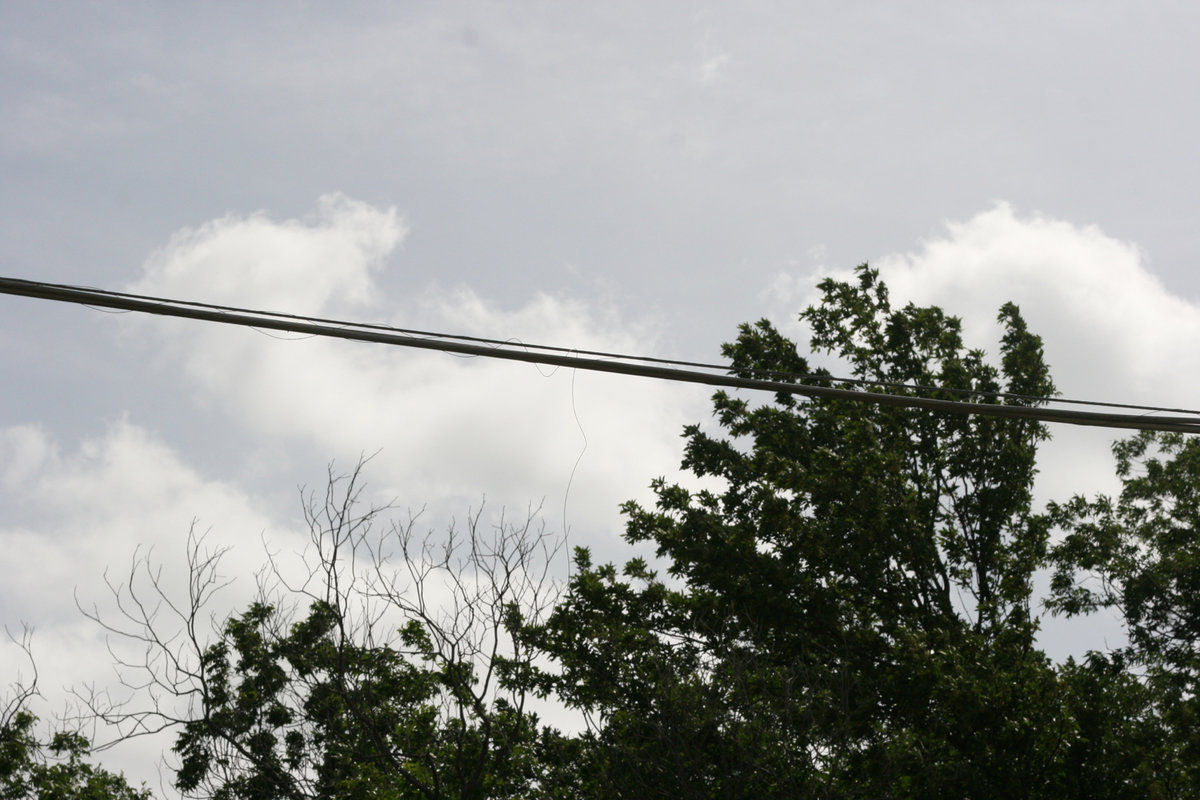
[[1111, 331], [451, 430], [25, 448], [76, 514], [455, 430], [320, 264]]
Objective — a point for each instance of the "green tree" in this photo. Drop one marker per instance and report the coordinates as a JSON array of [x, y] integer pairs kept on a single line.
[[1139, 555], [842, 606], [846, 609], [388, 672], [57, 769]]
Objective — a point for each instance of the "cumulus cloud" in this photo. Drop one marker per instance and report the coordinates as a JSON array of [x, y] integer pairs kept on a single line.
[[314, 265], [121, 512], [1087, 289], [75, 514], [450, 430], [1111, 330]]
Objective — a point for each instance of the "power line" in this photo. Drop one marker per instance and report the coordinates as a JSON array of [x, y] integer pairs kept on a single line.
[[798, 377], [643, 366], [774, 374]]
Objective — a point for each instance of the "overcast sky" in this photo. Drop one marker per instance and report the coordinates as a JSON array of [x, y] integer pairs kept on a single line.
[[638, 177]]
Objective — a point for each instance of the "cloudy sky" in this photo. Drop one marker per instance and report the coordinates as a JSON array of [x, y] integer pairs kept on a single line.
[[626, 176]]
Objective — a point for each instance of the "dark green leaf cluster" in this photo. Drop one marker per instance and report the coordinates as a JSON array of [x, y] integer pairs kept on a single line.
[[1140, 556], [847, 605], [57, 770], [302, 711]]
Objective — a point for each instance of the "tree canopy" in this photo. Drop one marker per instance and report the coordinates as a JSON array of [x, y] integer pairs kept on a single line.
[[55, 767], [849, 612], [841, 604]]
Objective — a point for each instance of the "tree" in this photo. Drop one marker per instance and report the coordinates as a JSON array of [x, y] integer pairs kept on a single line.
[[388, 672], [842, 606], [32, 769], [849, 612], [1140, 556]]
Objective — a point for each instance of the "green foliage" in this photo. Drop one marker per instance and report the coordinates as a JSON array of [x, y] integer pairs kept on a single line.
[[1144, 552], [352, 681], [846, 609], [842, 606], [1118, 739], [30, 770], [1140, 556], [303, 711]]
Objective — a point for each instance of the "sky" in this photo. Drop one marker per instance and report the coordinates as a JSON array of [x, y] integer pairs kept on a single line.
[[631, 177]]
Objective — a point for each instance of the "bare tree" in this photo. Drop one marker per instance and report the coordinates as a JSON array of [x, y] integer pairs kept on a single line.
[[53, 764], [393, 666], [22, 690]]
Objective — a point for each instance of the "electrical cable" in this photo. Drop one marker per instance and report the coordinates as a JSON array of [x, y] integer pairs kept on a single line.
[[601, 362], [798, 377]]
